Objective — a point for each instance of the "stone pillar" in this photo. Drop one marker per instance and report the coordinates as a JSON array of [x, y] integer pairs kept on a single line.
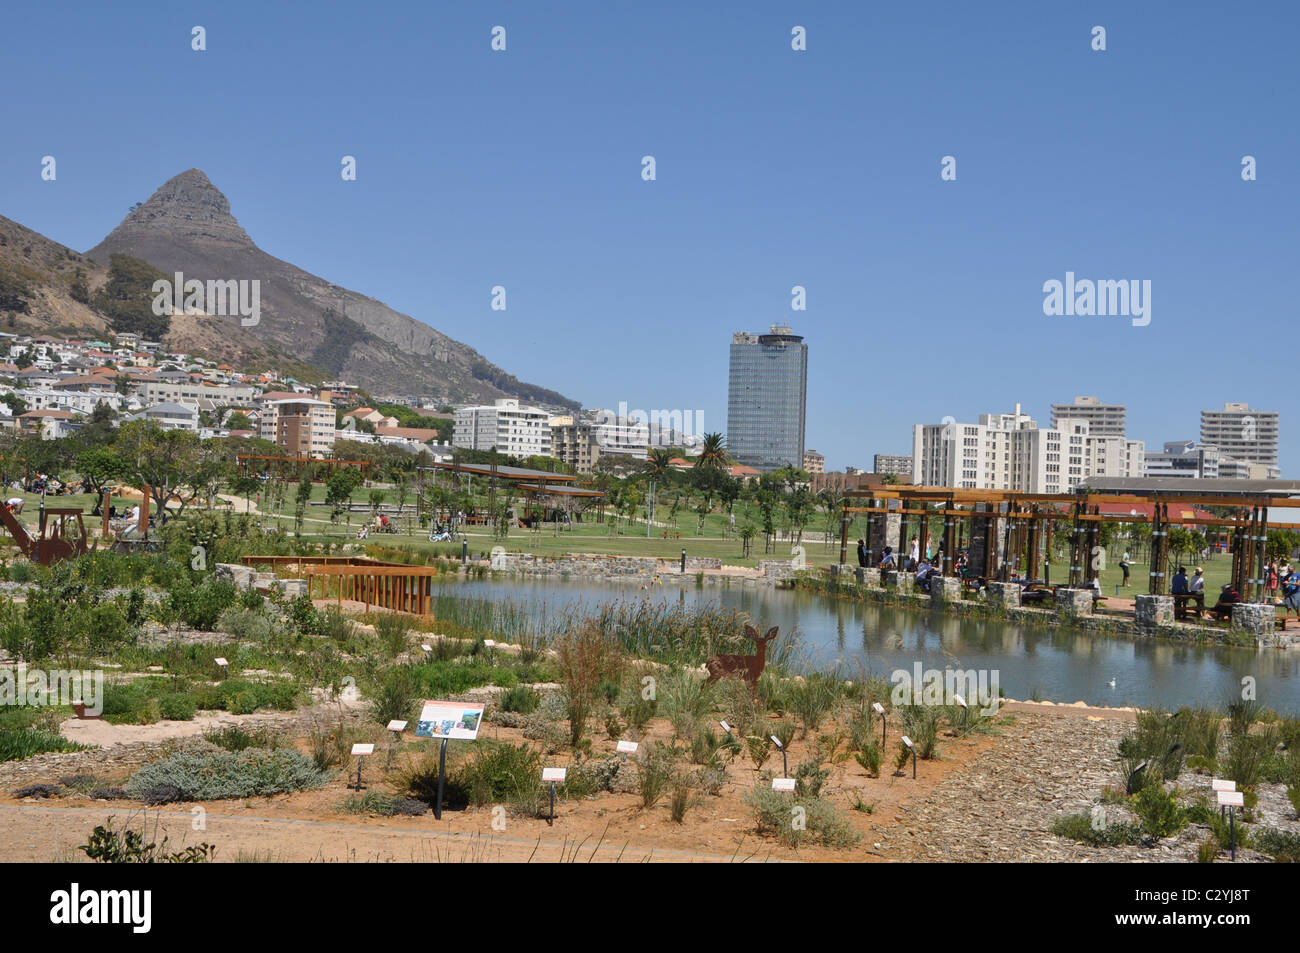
[[945, 589], [884, 532], [1151, 611], [1254, 618], [1004, 594], [1074, 601], [869, 578], [901, 582]]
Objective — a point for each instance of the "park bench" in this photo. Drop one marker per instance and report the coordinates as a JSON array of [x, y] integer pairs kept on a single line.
[[1187, 602]]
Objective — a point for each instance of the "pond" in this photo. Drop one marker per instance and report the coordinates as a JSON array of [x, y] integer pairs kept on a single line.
[[1047, 662]]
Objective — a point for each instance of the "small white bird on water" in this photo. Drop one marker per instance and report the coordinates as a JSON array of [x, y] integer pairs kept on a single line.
[[1111, 683]]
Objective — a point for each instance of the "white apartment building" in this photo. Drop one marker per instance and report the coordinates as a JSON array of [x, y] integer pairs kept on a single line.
[[299, 426], [1241, 433], [629, 436], [1011, 452], [171, 416], [81, 401], [505, 427], [1184, 458], [1103, 419], [205, 396]]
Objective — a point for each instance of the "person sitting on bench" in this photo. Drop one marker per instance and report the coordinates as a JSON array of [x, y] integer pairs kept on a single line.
[[1196, 589], [1179, 592], [1228, 597]]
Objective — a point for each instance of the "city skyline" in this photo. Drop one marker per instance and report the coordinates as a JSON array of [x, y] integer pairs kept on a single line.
[[776, 169]]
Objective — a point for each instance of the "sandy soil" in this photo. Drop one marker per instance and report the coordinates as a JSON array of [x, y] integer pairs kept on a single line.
[[309, 826]]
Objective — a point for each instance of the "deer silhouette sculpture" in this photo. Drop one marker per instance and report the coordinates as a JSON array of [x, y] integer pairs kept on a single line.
[[748, 667]]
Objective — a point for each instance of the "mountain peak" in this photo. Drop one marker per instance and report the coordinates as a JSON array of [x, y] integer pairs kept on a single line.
[[187, 205]]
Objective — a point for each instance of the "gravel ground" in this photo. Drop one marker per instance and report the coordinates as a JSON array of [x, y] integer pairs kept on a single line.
[[1002, 807]]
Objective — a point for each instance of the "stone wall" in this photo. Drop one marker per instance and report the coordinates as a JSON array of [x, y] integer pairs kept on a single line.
[[1074, 601], [945, 589], [602, 565], [1005, 595], [1257, 619], [901, 582], [1151, 611]]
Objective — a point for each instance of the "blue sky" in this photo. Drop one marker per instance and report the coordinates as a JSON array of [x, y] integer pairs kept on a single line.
[[775, 168]]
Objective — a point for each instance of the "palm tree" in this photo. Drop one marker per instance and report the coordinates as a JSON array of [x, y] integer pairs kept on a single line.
[[714, 451], [657, 461]]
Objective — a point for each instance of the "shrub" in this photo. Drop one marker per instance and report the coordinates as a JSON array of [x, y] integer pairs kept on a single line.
[[109, 846], [1280, 845], [246, 625], [396, 696], [868, 756], [759, 748], [230, 774], [201, 606], [420, 781], [1247, 754], [809, 778], [681, 798], [521, 699], [1200, 729], [18, 744], [775, 813], [812, 699], [242, 703], [376, 802], [393, 631], [177, 707], [38, 791], [335, 626], [687, 699], [1080, 827], [586, 657], [658, 766], [237, 738], [504, 773], [921, 724], [1158, 811]]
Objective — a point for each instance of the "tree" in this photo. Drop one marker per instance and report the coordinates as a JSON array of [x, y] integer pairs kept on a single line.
[[100, 466], [657, 461], [301, 499], [714, 451], [338, 490], [169, 461]]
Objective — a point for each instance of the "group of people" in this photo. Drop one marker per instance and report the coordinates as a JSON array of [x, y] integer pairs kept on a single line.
[[924, 565]]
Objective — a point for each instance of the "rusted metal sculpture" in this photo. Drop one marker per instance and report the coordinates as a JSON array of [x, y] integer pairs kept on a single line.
[[748, 667]]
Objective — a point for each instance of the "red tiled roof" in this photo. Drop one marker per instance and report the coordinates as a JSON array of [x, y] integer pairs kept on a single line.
[[423, 434]]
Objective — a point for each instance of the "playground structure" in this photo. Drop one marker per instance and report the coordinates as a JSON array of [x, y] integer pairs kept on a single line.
[[1007, 533], [60, 534]]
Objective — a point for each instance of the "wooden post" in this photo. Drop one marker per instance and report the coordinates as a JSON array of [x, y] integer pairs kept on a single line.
[[144, 513]]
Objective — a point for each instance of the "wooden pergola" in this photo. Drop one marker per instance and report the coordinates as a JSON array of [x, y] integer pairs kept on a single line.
[[1020, 524]]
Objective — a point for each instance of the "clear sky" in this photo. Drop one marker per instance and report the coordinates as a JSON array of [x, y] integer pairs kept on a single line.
[[775, 168]]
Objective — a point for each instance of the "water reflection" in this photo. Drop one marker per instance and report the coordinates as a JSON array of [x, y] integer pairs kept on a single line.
[[1056, 664]]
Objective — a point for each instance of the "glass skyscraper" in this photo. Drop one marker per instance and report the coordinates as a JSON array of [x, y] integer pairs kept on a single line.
[[766, 398]]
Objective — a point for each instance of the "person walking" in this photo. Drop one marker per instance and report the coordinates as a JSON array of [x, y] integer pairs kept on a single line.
[[862, 554], [1124, 567], [916, 552]]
